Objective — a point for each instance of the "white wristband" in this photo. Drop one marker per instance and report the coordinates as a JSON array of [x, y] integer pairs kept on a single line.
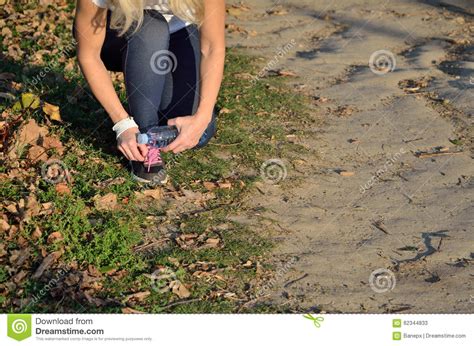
[[123, 125]]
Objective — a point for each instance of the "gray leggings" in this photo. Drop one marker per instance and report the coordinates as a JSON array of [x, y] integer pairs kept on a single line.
[[161, 71]]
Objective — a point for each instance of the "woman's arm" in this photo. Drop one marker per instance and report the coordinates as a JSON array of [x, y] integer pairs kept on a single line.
[[90, 29], [212, 34], [213, 55]]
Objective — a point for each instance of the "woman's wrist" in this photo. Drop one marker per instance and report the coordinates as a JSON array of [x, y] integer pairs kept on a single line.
[[204, 114], [123, 125]]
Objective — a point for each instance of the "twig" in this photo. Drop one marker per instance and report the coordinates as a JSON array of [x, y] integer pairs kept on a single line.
[[379, 225], [295, 280], [426, 155], [439, 244], [412, 140]]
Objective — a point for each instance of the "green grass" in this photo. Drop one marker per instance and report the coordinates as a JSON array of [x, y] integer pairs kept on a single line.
[[252, 131]]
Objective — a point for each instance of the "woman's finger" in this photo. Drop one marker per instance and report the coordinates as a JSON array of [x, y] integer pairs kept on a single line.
[[136, 154], [122, 150], [173, 145], [143, 149], [128, 154], [180, 149], [172, 122]]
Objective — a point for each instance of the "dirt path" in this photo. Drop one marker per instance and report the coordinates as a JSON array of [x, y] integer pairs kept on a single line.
[[407, 217]]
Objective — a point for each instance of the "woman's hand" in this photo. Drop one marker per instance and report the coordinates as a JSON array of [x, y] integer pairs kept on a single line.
[[191, 129], [127, 144]]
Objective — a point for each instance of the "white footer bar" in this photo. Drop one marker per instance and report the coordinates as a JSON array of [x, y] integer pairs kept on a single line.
[[327, 329]]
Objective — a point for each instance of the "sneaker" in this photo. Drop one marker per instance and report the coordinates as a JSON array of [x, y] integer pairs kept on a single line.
[[152, 171]]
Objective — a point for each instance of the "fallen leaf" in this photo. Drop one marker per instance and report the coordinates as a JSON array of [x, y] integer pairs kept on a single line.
[[37, 154], [52, 111], [131, 311], [29, 100], [30, 133], [32, 207], [6, 75], [224, 111], [46, 264], [155, 194], [225, 185], [4, 225], [138, 296], [54, 237], [209, 185], [106, 202], [179, 289], [62, 189], [36, 234], [212, 242], [53, 143], [284, 73]]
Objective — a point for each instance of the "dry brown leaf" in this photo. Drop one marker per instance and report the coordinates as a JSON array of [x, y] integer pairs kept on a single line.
[[285, 73], [225, 185], [139, 296], [106, 202], [224, 111], [72, 279], [62, 189], [54, 237], [37, 154], [30, 133], [32, 207], [212, 242], [53, 143], [46, 264], [46, 208], [155, 194], [209, 185], [131, 311], [4, 225], [12, 208], [36, 234], [179, 289]]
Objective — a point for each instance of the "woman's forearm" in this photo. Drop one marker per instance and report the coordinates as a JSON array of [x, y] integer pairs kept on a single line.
[[212, 71], [102, 87]]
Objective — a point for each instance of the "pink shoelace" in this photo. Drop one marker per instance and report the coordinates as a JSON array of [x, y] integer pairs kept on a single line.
[[153, 157]]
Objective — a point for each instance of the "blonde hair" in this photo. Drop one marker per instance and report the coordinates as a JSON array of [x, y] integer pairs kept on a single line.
[[129, 13]]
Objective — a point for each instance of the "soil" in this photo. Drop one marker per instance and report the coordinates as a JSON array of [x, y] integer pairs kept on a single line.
[[377, 213]]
